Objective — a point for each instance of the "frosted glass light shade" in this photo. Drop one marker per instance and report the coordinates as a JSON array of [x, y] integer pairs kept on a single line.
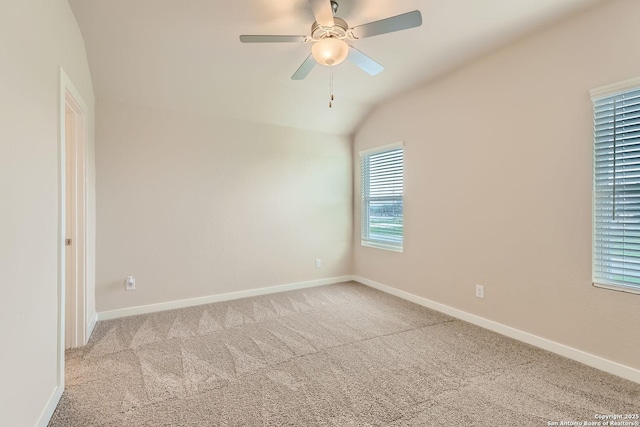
[[330, 51]]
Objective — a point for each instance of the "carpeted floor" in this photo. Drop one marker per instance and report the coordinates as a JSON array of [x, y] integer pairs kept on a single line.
[[338, 355]]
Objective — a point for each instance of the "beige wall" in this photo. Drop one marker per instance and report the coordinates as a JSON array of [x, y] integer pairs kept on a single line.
[[36, 36], [498, 185], [195, 206]]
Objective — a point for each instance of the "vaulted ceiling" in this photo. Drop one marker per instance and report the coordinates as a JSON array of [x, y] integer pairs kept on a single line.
[[186, 54]]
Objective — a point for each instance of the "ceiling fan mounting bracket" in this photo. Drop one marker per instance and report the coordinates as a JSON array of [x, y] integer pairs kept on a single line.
[[340, 30]]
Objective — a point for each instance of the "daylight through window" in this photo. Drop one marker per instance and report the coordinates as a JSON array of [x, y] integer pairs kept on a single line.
[[382, 197], [616, 198]]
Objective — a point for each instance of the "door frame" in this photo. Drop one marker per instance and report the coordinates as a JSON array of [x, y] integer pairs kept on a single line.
[[69, 97]]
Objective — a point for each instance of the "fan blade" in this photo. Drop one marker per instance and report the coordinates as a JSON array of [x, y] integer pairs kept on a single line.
[[304, 69], [389, 25], [367, 64], [272, 39], [323, 12]]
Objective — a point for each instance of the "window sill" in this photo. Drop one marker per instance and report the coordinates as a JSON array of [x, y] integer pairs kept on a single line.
[[619, 288], [383, 246]]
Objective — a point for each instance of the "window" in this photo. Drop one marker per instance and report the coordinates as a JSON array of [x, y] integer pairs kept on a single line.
[[616, 187], [382, 189]]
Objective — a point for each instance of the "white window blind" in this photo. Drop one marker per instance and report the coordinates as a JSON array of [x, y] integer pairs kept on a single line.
[[616, 172], [382, 198]]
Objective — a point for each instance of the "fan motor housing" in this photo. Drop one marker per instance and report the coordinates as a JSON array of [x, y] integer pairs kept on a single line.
[[339, 30]]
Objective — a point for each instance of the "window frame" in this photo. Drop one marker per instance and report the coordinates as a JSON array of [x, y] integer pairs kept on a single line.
[[599, 94], [365, 240]]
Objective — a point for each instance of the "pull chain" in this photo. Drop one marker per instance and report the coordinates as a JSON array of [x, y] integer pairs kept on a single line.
[[331, 91]]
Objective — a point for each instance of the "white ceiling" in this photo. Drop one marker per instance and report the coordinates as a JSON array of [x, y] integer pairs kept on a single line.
[[186, 55]]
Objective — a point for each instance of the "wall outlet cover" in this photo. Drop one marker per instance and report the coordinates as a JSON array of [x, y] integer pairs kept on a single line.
[[129, 283]]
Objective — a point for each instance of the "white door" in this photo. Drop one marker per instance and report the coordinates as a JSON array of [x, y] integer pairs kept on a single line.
[[75, 180]]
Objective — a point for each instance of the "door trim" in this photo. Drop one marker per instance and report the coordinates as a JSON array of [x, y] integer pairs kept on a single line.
[[66, 87]]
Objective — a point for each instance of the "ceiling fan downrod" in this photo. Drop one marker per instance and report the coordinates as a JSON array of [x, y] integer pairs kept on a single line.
[[334, 7]]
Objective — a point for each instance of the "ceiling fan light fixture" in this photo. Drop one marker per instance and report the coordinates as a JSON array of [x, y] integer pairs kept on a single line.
[[330, 51]]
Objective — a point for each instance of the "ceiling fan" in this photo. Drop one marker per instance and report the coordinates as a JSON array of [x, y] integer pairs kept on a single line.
[[329, 36]]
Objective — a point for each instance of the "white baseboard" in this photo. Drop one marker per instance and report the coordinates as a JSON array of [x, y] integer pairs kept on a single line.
[[589, 359], [45, 417], [90, 327], [170, 305]]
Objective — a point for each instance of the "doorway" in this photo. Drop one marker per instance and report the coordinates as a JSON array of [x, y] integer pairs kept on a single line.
[[75, 180]]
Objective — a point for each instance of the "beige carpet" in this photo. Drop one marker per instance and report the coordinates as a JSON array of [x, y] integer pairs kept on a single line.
[[339, 355]]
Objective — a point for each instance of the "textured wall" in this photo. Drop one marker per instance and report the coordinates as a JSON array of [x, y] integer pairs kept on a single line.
[[498, 185], [195, 206], [36, 37]]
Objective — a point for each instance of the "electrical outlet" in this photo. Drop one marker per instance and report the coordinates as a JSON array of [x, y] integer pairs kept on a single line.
[[129, 283], [318, 263], [479, 291]]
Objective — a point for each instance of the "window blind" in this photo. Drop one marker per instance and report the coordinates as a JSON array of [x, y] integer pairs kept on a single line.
[[382, 198], [616, 164]]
